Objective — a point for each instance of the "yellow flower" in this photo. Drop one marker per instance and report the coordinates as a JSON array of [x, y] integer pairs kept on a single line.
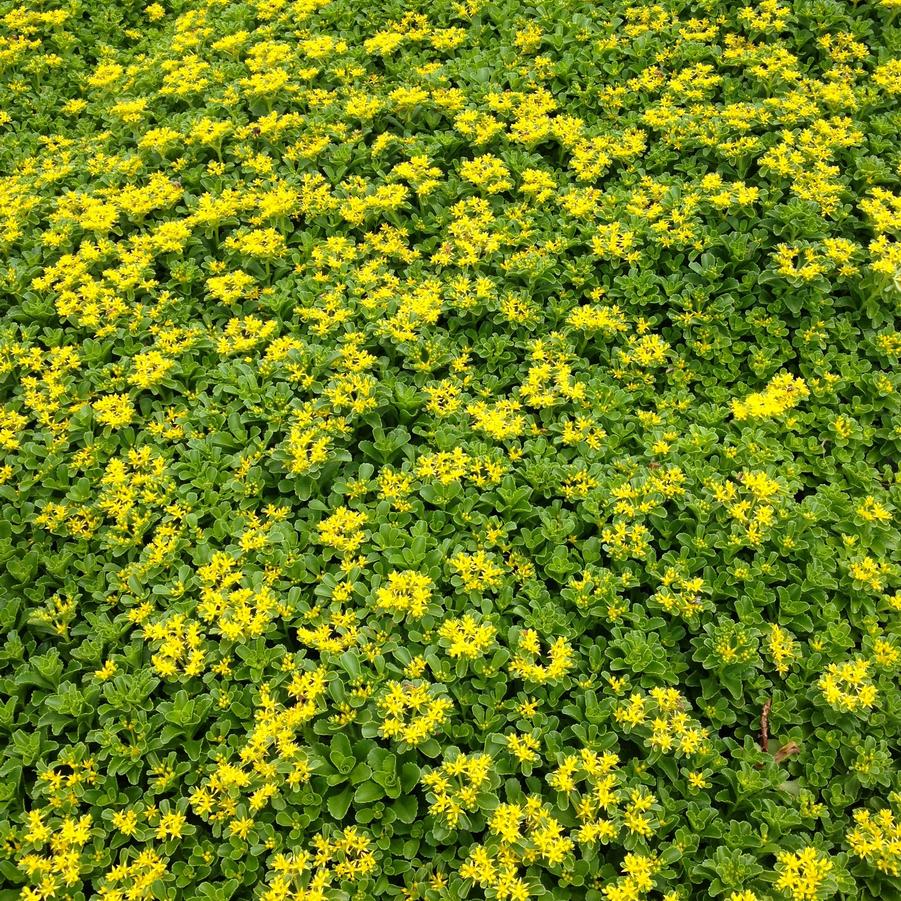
[[478, 571], [487, 172], [149, 369], [468, 638], [107, 671], [170, 825], [408, 592], [801, 874], [782, 394], [876, 837], [847, 686], [126, 821], [263, 243], [561, 659], [114, 410], [411, 712], [342, 530]]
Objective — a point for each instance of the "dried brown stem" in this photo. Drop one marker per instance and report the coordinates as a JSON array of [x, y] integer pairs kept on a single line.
[[765, 726]]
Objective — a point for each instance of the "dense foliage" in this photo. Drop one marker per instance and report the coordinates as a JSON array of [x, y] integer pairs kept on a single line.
[[450, 450]]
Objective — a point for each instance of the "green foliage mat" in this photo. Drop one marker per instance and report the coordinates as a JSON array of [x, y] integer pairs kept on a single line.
[[450, 450]]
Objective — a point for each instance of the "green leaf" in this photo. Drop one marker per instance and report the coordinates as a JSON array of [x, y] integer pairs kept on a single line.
[[339, 804], [406, 808], [368, 792], [23, 568]]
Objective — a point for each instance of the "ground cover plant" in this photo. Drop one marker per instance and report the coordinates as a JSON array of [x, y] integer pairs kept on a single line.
[[450, 450]]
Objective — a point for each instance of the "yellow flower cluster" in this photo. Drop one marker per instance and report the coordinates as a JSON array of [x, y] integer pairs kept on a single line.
[[679, 593], [871, 572], [406, 592], [525, 832], [343, 530], [626, 540], [60, 865], [637, 879], [456, 785], [239, 613], [802, 874], [848, 686], [11, 423], [524, 748], [451, 466], [783, 393], [596, 318], [500, 420], [180, 651], [487, 172], [114, 410], [478, 571], [672, 729], [607, 808], [134, 880], [752, 503], [315, 875], [782, 648], [411, 712], [150, 368], [310, 439], [271, 755], [466, 636], [876, 837], [560, 656]]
